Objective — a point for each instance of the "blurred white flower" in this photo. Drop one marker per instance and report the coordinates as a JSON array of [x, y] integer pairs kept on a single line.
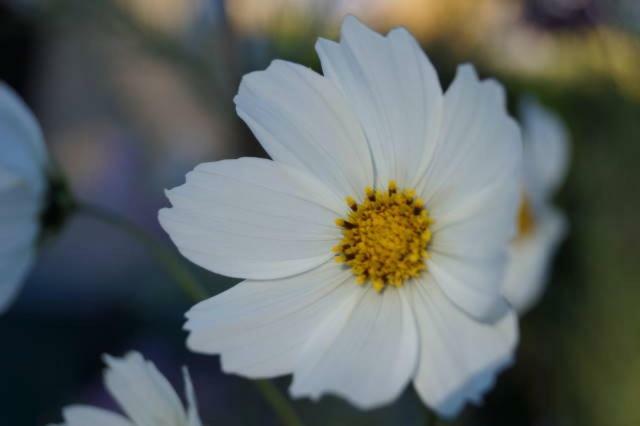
[[402, 282], [541, 226], [144, 395], [23, 188]]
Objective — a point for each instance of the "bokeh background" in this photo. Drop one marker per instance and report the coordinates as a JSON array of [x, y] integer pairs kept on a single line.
[[133, 93]]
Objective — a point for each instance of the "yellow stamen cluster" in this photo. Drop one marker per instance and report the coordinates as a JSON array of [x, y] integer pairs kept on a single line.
[[385, 238], [526, 218]]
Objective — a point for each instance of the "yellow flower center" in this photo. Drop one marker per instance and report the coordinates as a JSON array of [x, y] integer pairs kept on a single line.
[[526, 218], [385, 238]]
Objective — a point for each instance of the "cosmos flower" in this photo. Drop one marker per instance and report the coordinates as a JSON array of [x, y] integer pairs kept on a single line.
[[374, 242], [143, 393], [23, 189], [541, 226]]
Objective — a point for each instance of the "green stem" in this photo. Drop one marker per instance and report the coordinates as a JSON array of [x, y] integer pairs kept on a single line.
[[431, 419], [178, 271], [181, 274], [279, 403]]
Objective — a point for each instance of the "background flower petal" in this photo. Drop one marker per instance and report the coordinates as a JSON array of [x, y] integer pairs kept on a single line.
[[21, 142], [143, 392], [14, 267], [546, 150], [19, 230], [192, 403], [82, 415], [530, 258]]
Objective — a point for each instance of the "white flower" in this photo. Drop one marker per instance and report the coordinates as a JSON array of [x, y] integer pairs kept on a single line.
[[541, 226], [23, 187], [144, 395], [431, 188]]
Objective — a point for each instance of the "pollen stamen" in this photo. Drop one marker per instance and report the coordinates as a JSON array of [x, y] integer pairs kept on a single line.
[[385, 238], [526, 217]]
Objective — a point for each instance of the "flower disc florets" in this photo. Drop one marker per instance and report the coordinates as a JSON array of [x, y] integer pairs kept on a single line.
[[385, 238]]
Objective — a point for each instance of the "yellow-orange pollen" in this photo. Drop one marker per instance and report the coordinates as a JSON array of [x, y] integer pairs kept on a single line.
[[526, 218], [385, 238]]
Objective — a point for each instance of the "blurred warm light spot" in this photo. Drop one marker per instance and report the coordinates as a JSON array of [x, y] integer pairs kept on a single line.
[[426, 19], [178, 128], [569, 58], [171, 16], [282, 17], [493, 32], [462, 21], [85, 152]]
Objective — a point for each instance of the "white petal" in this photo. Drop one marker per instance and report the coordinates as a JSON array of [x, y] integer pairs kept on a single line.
[[472, 190], [143, 393], [530, 258], [478, 145], [471, 284], [22, 183], [367, 357], [391, 85], [192, 403], [17, 235], [301, 119], [260, 327], [80, 415], [17, 199], [480, 224], [546, 149], [253, 218], [10, 180], [19, 229], [459, 357], [468, 254], [21, 141]]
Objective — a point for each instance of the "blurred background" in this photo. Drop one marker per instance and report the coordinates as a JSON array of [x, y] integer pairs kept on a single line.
[[133, 93]]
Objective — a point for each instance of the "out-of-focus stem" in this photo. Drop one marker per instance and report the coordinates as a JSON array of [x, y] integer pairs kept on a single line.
[[173, 265], [431, 418], [190, 285], [280, 404]]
